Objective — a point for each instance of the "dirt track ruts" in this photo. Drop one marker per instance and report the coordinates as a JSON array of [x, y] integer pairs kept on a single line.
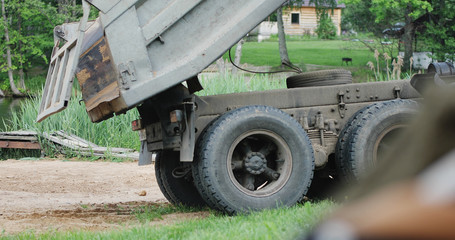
[[60, 195]]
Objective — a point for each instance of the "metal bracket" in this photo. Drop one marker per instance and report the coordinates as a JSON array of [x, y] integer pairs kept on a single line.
[[188, 136], [320, 126], [331, 124], [127, 74], [341, 104], [397, 92]]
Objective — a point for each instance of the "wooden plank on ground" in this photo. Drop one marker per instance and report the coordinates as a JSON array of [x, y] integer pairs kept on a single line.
[[76, 138], [19, 133], [133, 155], [57, 140], [19, 145], [18, 138], [28, 140], [112, 150]]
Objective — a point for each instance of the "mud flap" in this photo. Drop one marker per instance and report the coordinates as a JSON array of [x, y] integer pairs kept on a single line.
[[145, 157], [188, 136]]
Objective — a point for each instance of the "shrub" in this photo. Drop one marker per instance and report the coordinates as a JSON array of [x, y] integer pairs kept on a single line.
[[326, 28]]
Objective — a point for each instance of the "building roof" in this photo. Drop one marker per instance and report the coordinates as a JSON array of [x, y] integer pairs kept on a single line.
[[306, 3]]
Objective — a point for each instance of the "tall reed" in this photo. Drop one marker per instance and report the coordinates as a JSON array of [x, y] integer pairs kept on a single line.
[[226, 83], [396, 67], [114, 132]]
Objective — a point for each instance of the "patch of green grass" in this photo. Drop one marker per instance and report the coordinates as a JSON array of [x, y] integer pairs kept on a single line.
[[35, 84], [156, 211], [283, 223]]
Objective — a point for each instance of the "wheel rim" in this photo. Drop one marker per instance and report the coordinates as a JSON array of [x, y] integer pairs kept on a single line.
[[259, 163], [385, 142]]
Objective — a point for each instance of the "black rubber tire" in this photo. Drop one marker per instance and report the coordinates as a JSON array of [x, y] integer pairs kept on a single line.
[[178, 191], [243, 134], [365, 136], [320, 78], [342, 165], [158, 176]]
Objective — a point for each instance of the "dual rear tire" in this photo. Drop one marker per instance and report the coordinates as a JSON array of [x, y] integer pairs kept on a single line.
[[368, 136]]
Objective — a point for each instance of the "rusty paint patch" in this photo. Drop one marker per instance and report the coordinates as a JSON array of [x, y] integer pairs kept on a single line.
[[98, 79], [104, 53], [83, 75]]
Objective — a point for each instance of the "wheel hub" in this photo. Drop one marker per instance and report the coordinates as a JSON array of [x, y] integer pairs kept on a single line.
[[255, 163]]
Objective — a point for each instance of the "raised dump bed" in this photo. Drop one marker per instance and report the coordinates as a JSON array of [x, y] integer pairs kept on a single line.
[[137, 49]]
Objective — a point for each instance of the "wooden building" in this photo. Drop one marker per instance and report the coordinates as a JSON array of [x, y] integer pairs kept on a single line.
[[303, 20]]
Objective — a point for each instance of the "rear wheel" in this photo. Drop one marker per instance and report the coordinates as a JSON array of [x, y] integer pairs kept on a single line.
[[370, 134], [175, 180], [253, 158]]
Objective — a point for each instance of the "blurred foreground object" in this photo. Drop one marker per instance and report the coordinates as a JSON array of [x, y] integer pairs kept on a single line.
[[412, 193]]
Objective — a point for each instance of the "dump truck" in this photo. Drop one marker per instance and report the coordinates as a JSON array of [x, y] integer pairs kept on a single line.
[[233, 152]]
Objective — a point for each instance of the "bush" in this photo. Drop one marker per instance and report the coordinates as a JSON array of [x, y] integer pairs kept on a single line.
[[326, 28]]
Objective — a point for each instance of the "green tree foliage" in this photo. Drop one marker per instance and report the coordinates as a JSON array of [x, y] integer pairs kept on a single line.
[[323, 7], [407, 11], [30, 24], [412, 8], [439, 33], [358, 15]]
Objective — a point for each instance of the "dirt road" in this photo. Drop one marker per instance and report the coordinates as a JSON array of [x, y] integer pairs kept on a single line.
[[68, 195]]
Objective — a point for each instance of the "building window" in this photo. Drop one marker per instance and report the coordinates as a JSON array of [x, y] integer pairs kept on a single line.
[[295, 18]]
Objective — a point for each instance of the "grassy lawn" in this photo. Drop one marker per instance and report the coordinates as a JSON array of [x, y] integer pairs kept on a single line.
[[319, 52], [283, 223]]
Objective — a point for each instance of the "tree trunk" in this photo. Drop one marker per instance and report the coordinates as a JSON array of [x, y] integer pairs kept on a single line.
[[1, 93], [21, 78], [282, 38], [63, 9], [238, 56], [73, 13], [16, 92], [408, 38], [19, 43]]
